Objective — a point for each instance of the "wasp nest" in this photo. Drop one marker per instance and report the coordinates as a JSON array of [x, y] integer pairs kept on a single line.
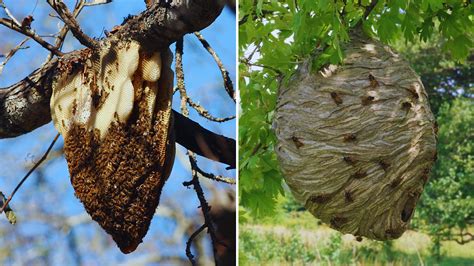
[[356, 142], [114, 112]]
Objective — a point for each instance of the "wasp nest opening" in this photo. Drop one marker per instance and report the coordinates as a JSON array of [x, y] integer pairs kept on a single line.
[[114, 112], [365, 139]]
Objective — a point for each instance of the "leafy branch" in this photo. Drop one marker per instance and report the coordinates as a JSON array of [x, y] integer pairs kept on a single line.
[[316, 32]]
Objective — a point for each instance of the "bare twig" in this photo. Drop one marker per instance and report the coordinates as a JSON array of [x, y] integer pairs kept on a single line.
[[12, 53], [180, 76], [186, 99], [205, 113], [263, 66], [220, 178], [250, 56], [65, 29], [45, 155], [9, 14], [70, 20], [205, 208], [228, 85], [189, 254], [30, 33]]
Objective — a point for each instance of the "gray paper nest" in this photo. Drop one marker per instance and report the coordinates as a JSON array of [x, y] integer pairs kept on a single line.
[[356, 142]]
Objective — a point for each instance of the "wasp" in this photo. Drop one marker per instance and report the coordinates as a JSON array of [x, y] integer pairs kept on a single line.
[[367, 100], [350, 137], [320, 199], [348, 196], [336, 97], [297, 142], [384, 165], [373, 82], [349, 160], [395, 182], [359, 175]]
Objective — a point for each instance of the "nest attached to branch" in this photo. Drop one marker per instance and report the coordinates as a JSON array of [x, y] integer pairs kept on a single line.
[[114, 112], [356, 142]]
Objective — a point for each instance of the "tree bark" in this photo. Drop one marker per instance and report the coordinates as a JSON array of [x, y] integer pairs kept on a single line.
[[24, 106], [204, 142]]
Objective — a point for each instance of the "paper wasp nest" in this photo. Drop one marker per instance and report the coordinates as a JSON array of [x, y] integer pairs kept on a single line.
[[114, 113], [356, 142]]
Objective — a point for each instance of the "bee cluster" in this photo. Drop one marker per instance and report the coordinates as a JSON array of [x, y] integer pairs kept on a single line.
[[113, 109]]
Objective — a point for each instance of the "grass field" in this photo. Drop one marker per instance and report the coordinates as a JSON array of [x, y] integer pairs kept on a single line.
[[298, 239]]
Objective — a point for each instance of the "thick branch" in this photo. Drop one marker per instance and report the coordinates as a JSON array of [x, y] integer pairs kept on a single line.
[[204, 142], [157, 27], [24, 106]]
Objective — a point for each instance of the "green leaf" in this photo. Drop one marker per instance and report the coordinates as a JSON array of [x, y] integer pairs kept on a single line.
[[436, 5], [258, 10], [426, 30], [387, 28], [459, 47]]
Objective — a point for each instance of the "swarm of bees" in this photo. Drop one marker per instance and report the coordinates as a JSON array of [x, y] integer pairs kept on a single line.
[[113, 108]]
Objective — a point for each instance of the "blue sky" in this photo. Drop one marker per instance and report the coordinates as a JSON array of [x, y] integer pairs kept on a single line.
[[203, 81]]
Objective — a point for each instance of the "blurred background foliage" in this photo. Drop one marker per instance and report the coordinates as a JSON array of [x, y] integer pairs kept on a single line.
[[436, 37]]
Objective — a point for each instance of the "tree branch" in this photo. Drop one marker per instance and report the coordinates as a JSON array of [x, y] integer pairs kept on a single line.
[[157, 27], [30, 33], [24, 106], [9, 14], [12, 53], [229, 87], [190, 241], [205, 208], [204, 142], [70, 20], [369, 8]]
